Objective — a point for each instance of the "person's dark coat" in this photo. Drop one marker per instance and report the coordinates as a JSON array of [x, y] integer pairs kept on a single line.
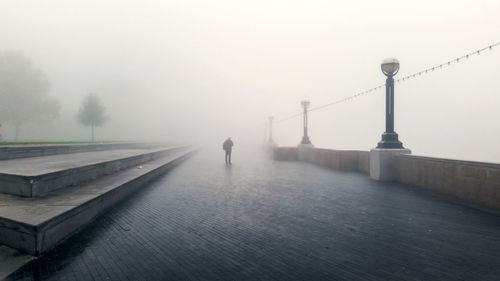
[[228, 145]]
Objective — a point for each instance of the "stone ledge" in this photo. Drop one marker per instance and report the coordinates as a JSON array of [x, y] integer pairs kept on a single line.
[[454, 161], [35, 226], [36, 177]]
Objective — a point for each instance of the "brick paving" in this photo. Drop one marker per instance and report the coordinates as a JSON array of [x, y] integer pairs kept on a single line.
[[265, 220]]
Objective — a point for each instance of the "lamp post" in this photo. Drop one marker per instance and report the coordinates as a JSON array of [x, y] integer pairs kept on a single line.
[[390, 67], [305, 139], [271, 141], [265, 133]]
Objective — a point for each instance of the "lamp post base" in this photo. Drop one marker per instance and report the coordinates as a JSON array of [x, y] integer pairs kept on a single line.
[[384, 163], [390, 140], [303, 150], [305, 140]]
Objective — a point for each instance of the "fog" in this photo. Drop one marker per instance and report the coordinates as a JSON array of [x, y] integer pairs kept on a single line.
[[200, 71]]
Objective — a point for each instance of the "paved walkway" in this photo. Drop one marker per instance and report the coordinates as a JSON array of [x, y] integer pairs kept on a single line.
[[265, 220]]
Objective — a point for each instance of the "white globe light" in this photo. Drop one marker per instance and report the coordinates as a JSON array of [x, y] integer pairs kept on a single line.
[[390, 66]]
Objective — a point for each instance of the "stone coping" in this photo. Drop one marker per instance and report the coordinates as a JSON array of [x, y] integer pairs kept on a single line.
[[454, 161]]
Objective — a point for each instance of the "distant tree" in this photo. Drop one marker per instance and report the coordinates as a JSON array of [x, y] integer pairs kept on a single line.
[[24, 92], [91, 113]]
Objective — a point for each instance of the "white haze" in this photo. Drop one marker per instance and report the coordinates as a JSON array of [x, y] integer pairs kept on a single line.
[[200, 71]]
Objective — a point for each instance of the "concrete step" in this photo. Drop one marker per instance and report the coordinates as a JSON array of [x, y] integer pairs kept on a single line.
[[36, 225], [11, 260], [37, 176], [37, 150]]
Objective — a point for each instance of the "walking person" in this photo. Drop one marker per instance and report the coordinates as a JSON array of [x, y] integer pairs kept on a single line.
[[228, 146]]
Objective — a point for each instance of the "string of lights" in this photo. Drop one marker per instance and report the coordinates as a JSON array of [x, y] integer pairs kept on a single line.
[[448, 63], [404, 78]]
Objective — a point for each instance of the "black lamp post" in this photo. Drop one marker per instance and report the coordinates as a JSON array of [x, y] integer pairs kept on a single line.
[[271, 141], [305, 139], [390, 67]]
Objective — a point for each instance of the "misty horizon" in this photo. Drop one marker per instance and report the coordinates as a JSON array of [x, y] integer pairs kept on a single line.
[[198, 72]]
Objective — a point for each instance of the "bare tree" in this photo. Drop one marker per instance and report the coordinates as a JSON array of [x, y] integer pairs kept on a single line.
[[24, 92], [91, 112]]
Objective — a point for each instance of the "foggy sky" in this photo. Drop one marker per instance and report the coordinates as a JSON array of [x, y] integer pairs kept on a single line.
[[200, 71]]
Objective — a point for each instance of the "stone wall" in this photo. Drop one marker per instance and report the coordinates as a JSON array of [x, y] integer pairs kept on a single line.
[[285, 153], [364, 162], [475, 182], [344, 160]]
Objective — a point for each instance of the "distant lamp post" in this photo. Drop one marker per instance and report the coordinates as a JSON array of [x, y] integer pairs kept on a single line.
[[390, 67], [305, 139], [271, 141]]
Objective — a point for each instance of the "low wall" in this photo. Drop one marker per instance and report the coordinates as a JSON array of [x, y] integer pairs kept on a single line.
[[344, 160], [285, 153], [474, 182]]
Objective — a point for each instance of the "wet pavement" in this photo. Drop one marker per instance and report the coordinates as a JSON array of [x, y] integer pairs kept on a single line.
[[264, 220]]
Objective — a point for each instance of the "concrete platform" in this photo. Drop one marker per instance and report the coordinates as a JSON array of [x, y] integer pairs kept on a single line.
[[37, 176], [37, 150], [11, 260], [37, 225]]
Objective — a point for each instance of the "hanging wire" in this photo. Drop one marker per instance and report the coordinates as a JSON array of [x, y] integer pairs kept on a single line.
[[450, 62], [404, 78]]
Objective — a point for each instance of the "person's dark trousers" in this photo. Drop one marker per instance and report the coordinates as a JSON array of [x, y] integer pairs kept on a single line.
[[228, 156]]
